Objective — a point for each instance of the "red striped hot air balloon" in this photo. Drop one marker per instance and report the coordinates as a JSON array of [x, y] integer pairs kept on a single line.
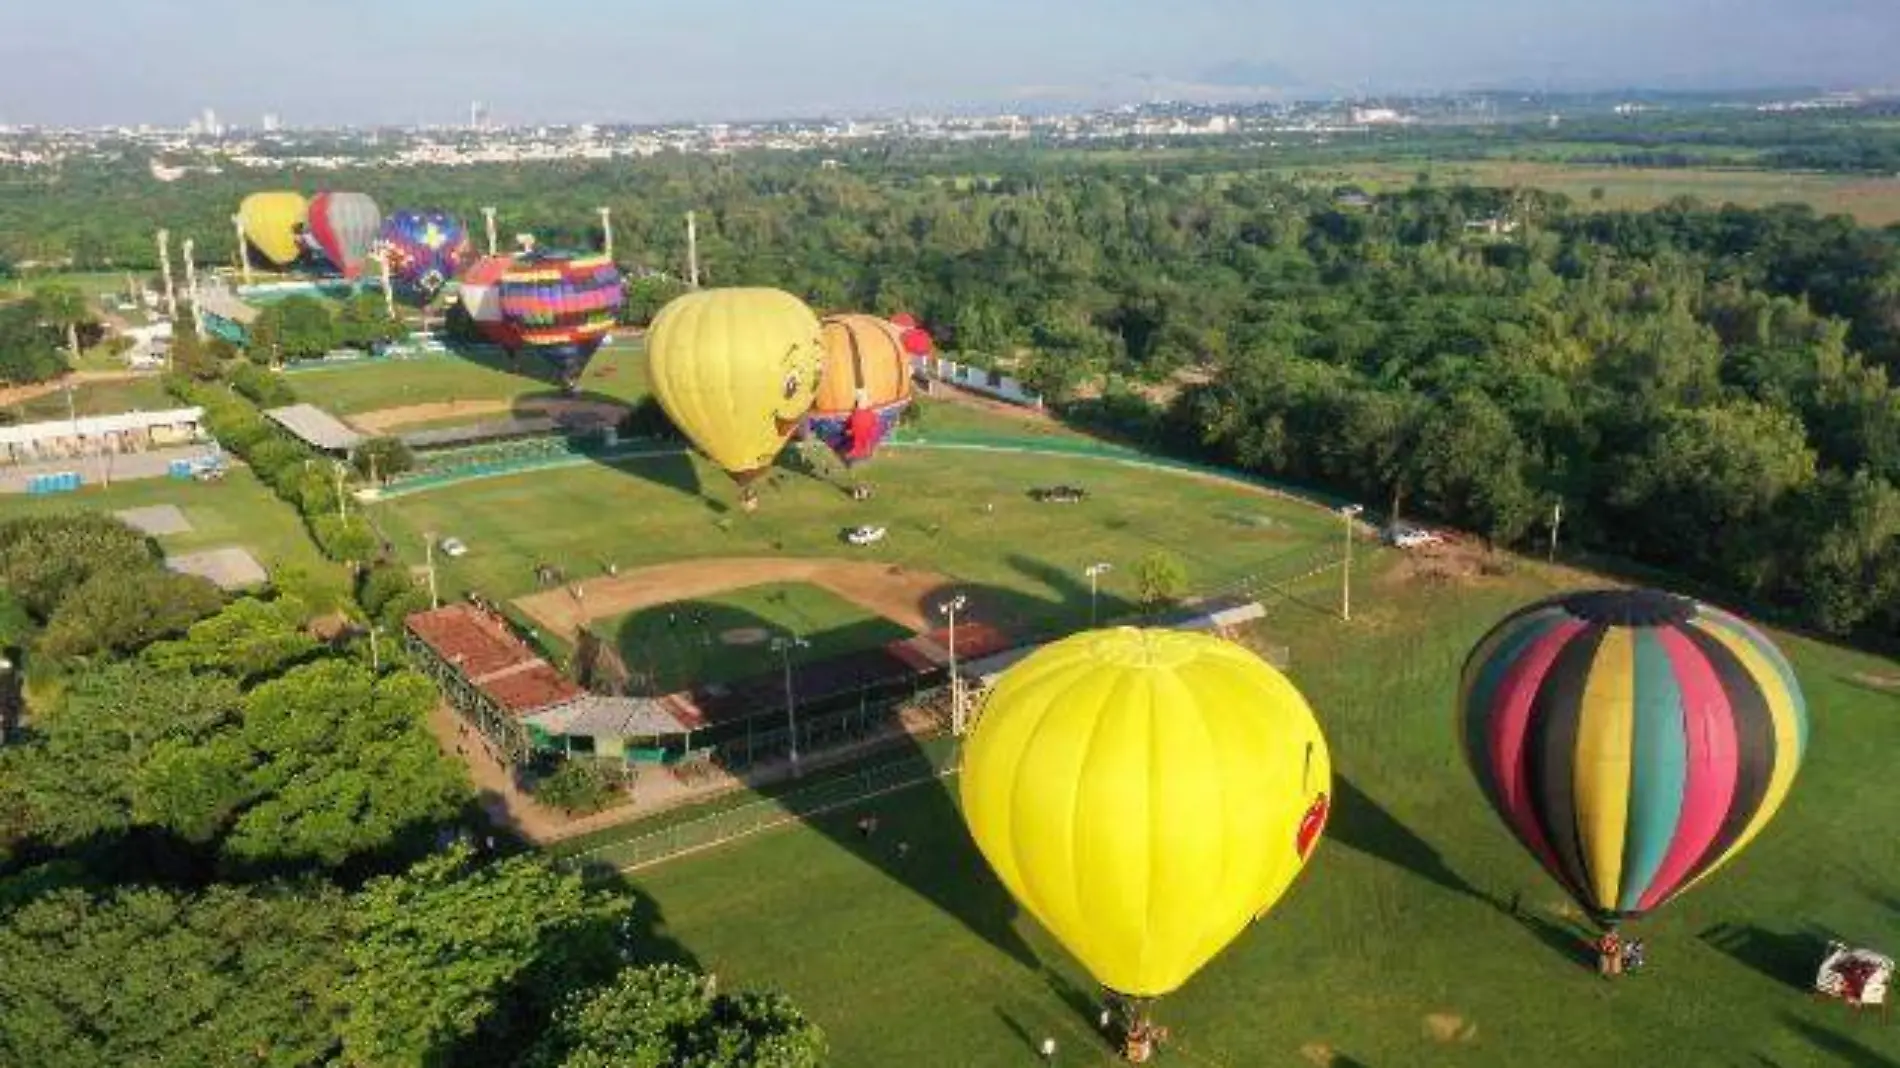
[[1634, 741], [344, 227]]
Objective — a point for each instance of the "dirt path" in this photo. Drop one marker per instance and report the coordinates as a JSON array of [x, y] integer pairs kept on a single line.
[[507, 806], [896, 593], [12, 395], [386, 419]]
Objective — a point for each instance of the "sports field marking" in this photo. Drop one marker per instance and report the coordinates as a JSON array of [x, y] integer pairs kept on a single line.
[[385, 419], [894, 592]]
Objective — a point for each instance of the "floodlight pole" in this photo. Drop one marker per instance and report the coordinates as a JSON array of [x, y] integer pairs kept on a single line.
[[1095, 572], [1345, 572], [488, 216], [1556, 520], [950, 608], [692, 250], [428, 555], [191, 289], [389, 291], [607, 231], [342, 507], [375, 655], [784, 646], [165, 271], [244, 249]]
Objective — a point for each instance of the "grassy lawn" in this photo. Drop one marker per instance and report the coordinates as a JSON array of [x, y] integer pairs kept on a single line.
[[705, 640], [615, 373], [98, 398], [239, 510], [964, 514], [1874, 201], [1398, 946]]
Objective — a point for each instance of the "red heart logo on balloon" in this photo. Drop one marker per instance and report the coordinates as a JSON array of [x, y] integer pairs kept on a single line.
[[1311, 825]]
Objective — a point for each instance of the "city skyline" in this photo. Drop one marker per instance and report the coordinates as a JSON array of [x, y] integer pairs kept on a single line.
[[356, 63]]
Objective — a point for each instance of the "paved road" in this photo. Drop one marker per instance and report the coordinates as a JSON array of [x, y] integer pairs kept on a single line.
[[98, 470]]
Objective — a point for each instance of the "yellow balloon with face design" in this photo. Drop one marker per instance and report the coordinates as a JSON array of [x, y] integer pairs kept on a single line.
[[735, 370], [1145, 794], [274, 223]]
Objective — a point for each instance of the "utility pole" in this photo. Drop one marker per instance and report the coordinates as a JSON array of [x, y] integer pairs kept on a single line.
[[784, 646], [191, 290], [692, 250], [607, 230], [1345, 572], [950, 608], [1095, 572], [244, 248], [389, 291], [1556, 521], [375, 655], [342, 506], [488, 216], [428, 550], [165, 270]]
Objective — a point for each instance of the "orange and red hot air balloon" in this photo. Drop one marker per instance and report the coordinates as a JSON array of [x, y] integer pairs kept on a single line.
[[864, 387]]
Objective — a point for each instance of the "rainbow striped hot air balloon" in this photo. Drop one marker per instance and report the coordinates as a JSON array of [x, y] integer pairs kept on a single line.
[[561, 306], [1634, 741]]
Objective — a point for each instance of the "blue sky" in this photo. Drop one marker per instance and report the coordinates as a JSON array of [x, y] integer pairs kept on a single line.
[[336, 61]]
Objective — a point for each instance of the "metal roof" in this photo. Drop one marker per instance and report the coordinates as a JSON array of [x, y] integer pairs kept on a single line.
[[316, 427], [595, 716]]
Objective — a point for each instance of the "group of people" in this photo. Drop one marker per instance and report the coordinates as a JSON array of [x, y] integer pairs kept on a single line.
[[1617, 956]]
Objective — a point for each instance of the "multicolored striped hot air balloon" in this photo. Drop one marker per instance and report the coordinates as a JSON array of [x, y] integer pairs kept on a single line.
[[562, 306], [1634, 741], [425, 249], [864, 387], [344, 227]]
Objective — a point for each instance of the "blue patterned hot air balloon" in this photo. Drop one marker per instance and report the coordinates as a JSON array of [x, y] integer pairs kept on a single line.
[[1634, 741], [426, 249]]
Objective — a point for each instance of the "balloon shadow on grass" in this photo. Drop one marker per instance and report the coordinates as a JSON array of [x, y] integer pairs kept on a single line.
[[1791, 959], [1841, 1048], [1363, 825]]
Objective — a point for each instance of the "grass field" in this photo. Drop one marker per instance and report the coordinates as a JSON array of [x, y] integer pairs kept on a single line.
[[1874, 201], [1397, 947], [238, 510], [695, 641], [615, 373], [98, 398], [963, 514]]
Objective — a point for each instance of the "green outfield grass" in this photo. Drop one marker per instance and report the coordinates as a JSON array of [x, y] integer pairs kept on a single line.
[[963, 514], [616, 372], [727, 637], [235, 511], [1397, 947], [97, 398], [1874, 201]]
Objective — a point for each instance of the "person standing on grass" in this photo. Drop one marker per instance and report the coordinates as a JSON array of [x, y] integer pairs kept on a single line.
[[1048, 1050]]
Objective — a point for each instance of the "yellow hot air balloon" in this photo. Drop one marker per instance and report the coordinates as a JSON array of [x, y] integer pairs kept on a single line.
[[736, 369], [273, 223], [1145, 794]]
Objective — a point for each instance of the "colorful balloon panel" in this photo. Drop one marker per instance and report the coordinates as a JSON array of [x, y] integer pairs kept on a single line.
[[480, 293], [1145, 794], [425, 249], [274, 223], [344, 227], [863, 388], [736, 371], [1634, 741], [562, 306]]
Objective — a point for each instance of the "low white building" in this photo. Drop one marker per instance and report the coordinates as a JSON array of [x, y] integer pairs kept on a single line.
[[94, 435]]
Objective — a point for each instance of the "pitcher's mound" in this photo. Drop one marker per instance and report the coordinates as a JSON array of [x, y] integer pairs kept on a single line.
[[745, 636]]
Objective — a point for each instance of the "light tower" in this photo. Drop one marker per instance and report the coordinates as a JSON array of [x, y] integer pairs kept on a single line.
[[165, 270], [244, 247], [191, 289], [488, 216], [692, 250], [607, 231]]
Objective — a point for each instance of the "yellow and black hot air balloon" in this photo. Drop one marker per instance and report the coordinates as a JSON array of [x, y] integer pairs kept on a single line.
[[1634, 741], [736, 370], [1145, 794], [273, 223]]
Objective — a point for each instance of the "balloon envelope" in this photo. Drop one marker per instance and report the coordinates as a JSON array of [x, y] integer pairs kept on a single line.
[[344, 227], [1634, 741], [561, 306], [865, 375], [273, 223], [735, 369], [481, 297], [1145, 794], [904, 321], [917, 342], [426, 249]]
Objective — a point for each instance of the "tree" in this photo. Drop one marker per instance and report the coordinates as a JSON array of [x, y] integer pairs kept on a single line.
[[171, 980], [295, 328], [666, 1016], [45, 558], [579, 786], [1160, 579], [125, 611], [380, 458], [64, 307], [1469, 466], [250, 639], [451, 950]]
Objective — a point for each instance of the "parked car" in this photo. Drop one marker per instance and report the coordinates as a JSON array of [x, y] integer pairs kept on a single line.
[[1058, 494], [864, 535], [453, 547], [1405, 537]]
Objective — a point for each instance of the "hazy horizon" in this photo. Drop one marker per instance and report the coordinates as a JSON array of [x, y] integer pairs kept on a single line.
[[355, 62]]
